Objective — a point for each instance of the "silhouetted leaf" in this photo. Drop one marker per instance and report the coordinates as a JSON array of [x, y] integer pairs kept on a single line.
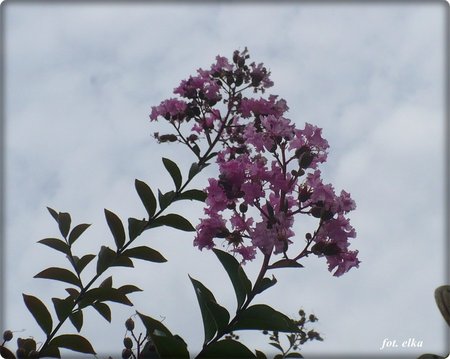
[[169, 347], [73, 342], [294, 355], [50, 352], [194, 170], [147, 197], [145, 253], [77, 231], [239, 280], [176, 221], [265, 284], [84, 261], [135, 227], [128, 288], [260, 355], [165, 199], [56, 244], [107, 283], [106, 257], [53, 213], [263, 317], [122, 261], [116, 227], [39, 312], [104, 295], [73, 292], [77, 320], [63, 307], [285, 263], [103, 309], [64, 221], [5, 353], [226, 348], [192, 194], [60, 274], [153, 325], [174, 172], [442, 297]]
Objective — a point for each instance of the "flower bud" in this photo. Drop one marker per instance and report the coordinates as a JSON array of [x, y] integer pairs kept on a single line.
[[7, 335], [21, 353], [305, 160], [243, 207], [301, 312], [129, 324], [126, 353], [127, 343]]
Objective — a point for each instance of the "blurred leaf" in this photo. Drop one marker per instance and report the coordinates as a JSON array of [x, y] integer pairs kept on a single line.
[[265, 284], [83, 262], [50, 352], [56, 244], [226, 348], [73, 342], [77, 231], [60, 274], [77, 320], [135, 227], [263, 317], [147, 197], [165, 199], [127, 289], [39, 312], [431, 356], [240, 281], [64, 221], [174, 172], [211, 155], [116, 227], [63, 307], [107, 283], [145, 253], [170, 346], [294, 355], [176, 221], [260, 355], [276, 345], [442, 297], [192, 194], [5, 353], [53, 213], [103, 309], [285, 263]]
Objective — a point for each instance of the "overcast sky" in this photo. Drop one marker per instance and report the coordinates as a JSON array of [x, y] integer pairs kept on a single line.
[[79, 84]]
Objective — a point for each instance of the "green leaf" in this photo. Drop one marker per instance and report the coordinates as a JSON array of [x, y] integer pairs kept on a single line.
[[73, 293], [73, 342], [260, 355], [60, 274], [165, 199], [135, 227], [56, 244], [226, 348], [276, 345], [5, 353], [106, 258], [237, 275], [53, 213], [64, 221], [294, 355], [214, 316], [40, 312], [154, 326], [174, 172], [83, 262], [145, 253], [50, 352], [104, 295], [176, 221], [265, 284], [122, 261], [285, 263], [63, 307], [147, 197], [194, 170], [192, 194], [103, 310], [116, 227], [77, 320], [107, 283], [128, 288], [169, 347], [263, 317], [77, 231]]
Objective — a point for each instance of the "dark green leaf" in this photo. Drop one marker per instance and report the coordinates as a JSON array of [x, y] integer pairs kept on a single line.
[[106, 257], [77, 320], [107, 283], [174, 172], [127, 289], [260, 355], [39, 312], [84, 261], [211, 155], [192, 194], [73, 342], [265, 284], [77, 231], [60, 274], [135, 227], [276, 345], [194, 170], [104, 295], [64, 221], [116, 227], [165, 199], [263, 317], [176, 221], [169, 347], [220, 315], [285, 263], [122, 261], [204, 296], [73, 292], [239, 280], [147, 197], [50, 352], [196, 149], [56, 244], [154, 326], [226, 348], [442, 297], [53, 213], [294, 355], [103, 309], [145, 253], [5, 353], [278, 356], [63, 307]]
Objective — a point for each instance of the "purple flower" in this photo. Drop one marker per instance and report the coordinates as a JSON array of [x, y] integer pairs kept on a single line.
[[169, 109]]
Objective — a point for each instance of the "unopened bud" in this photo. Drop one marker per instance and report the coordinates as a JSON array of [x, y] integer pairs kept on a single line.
[[129, 324], [126, 353], [21, 353], [243, 207], [7, 335], [127, 343]]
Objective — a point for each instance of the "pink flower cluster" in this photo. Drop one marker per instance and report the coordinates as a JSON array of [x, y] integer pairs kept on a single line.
[[268, 168]]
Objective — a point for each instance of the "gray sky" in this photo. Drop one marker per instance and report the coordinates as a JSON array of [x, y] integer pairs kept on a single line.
[[80, 82]]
